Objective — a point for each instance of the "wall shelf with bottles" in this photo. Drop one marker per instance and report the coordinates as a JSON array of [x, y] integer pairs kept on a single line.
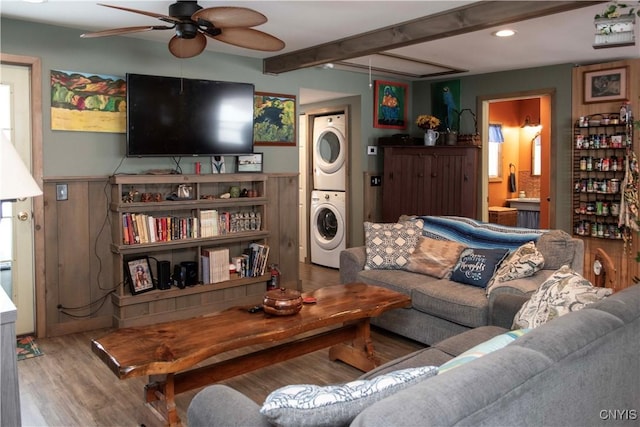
[[599, 152]]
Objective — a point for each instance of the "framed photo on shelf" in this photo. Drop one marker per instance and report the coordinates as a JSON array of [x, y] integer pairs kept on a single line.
[[390, 105], [606, 85], [274, 119], [250, 163], [138, 271]]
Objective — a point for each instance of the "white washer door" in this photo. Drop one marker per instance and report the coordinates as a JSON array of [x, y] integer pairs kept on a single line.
[[328, 226], [329, 150]]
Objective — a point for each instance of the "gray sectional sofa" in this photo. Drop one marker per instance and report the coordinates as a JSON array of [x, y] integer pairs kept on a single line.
[[442, 308], [580, 369]]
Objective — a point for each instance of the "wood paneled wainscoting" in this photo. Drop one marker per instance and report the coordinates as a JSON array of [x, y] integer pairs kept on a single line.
[[79, 276]]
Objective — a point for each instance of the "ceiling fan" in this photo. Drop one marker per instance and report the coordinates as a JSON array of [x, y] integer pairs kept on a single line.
[[192, 23]]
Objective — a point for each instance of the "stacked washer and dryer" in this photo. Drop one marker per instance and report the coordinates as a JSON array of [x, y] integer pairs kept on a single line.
[[328, 199]]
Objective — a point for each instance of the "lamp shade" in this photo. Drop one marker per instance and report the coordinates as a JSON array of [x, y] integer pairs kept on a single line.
[[16, 181]]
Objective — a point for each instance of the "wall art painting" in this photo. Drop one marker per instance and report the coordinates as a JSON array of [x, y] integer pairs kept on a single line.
[[605, 85], [274, 119], [88, 102], [445, 104], [390, 105]]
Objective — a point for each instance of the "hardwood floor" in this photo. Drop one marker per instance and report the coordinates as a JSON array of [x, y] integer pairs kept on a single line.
[[70, 386]]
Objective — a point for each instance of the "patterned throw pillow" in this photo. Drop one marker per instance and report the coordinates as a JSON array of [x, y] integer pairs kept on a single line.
[[563, 292], [523, 262], [489, 346], [310, 405], [434, 257], [476, 266], [389, 246]]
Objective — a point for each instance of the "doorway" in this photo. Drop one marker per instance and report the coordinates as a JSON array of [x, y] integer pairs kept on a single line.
[[526, 121], [21, 75]]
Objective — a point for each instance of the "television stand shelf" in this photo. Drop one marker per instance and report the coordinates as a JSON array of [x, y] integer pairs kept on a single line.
[[141, 201]]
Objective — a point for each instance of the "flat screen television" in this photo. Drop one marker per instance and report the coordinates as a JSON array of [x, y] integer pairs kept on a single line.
[[179, 117]]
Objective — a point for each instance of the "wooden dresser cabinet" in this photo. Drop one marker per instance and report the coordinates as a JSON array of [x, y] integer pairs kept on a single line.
[[434, 180]]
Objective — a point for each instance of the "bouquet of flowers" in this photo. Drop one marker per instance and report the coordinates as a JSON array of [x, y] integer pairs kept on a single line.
[[426, 122]]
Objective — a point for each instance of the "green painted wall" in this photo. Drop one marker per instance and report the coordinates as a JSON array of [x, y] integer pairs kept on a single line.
[[83, 153], [557, 78], [89, 154]]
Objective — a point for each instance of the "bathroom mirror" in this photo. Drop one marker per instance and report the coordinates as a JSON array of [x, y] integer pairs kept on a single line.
[[536, 153]]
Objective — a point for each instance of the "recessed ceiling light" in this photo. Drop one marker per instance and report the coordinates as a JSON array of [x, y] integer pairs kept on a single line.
[[35, 1], [504, 33]]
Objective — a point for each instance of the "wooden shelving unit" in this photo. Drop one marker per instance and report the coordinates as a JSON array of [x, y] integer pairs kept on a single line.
[[157, 305], [599, 153]]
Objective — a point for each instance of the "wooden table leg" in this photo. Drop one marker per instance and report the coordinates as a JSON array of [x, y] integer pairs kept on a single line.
[[160, 400], [359, 353]]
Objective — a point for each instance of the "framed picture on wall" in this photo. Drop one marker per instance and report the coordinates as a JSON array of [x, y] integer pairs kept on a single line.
[[274, 119], [606, 85], [390, 105]]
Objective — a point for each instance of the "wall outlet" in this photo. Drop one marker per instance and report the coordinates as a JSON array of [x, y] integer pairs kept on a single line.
[[62, 192], [376, 181], [372, 150]]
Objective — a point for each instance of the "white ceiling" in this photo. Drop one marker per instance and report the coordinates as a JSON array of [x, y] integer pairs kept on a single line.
[[557, 39]]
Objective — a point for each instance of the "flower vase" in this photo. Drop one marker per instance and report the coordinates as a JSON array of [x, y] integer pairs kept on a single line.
[[430, 137]]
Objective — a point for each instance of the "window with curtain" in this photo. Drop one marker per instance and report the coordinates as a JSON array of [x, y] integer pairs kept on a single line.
[[495, 151]]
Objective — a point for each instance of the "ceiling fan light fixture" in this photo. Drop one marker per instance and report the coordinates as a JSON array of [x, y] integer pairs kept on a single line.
[[187, 48], [192, 23], [507, 32], [186, 30]]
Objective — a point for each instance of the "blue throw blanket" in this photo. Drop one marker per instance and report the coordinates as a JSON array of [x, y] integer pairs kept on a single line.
[[477, 234]]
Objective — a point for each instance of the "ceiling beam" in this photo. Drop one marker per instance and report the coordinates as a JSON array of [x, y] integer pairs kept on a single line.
[[473, 17]]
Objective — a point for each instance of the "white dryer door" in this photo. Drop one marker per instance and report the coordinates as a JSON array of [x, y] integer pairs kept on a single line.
[[328, 226], [329, 150]]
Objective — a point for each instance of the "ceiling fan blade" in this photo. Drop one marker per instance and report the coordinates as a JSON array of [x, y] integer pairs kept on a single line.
[[187, 48], [250, 39], [229, 16], [165, 18], [126, 30]]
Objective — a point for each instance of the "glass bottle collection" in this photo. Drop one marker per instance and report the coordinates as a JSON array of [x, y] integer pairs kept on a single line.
[[602, 195]]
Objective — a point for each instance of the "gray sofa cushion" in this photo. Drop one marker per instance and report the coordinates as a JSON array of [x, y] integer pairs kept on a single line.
[[463, 304], [220, 405], [439, 353], [558, 249], [456, 302]]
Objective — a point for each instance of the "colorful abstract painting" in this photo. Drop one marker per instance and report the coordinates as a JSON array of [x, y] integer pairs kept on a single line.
[[390, 105], [274, 119], [88, 102]]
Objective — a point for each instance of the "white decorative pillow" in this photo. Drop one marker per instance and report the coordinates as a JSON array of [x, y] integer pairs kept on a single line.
[[563, 292], [434, 257], [523, 262], [311, 405], [388, 246]]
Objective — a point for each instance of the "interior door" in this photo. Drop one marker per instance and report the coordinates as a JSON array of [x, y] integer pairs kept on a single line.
[[16, 231]]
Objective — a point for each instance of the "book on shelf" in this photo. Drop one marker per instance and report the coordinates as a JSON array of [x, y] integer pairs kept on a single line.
[[218, 260], [255, 260], [143, 228], [209, 223]]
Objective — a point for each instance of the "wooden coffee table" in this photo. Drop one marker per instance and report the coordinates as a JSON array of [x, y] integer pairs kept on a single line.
[[168, 352]]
